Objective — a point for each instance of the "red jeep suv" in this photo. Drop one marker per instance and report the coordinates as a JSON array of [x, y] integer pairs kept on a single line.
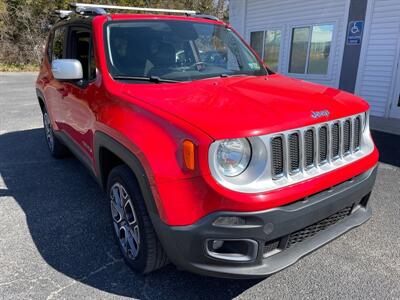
[[209, 160]]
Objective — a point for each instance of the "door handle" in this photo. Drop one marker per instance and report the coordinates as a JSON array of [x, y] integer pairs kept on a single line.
[[63, 91]]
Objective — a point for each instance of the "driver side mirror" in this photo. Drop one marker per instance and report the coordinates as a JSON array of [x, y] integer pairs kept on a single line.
[[67, 69]]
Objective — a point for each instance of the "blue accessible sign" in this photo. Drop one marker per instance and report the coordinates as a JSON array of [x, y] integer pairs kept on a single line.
[[355, 32]]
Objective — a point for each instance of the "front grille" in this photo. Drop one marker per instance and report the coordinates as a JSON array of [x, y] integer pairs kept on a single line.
[[277, 156], [309, 231], [305, 149], [294, 152], [323, 144], [346, 137], [309, 147]]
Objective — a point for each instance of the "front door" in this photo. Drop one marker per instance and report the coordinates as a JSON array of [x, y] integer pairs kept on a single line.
[[78, 114]]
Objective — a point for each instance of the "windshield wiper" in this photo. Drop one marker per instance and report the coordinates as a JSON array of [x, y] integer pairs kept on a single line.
[[154, 79], [223, 75]]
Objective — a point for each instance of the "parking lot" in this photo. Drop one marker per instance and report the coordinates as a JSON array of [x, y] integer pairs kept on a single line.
[[56, 238]]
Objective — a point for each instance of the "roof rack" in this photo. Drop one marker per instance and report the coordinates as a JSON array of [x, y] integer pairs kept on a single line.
[[84, 8]]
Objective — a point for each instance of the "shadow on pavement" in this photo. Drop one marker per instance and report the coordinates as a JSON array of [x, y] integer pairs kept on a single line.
[[69, 222], [389, 147]]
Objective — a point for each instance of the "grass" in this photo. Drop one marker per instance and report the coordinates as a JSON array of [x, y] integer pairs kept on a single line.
[[18, 67]]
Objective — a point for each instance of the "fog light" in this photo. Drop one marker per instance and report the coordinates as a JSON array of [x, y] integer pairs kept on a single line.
[[216, 244], [230, 221], [232, 250]]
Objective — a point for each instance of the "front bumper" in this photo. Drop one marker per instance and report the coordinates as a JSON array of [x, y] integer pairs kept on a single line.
[[275, 238]]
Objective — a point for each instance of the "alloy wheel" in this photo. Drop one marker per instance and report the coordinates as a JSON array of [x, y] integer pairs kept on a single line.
[[48, 131], [125, 221]]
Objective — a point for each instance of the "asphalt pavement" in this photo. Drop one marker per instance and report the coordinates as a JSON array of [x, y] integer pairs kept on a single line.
[[56, 237]]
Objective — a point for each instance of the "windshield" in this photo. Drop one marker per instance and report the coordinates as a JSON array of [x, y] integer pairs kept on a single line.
[[177, 51]]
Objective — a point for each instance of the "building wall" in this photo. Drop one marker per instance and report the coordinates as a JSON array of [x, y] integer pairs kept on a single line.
[[377, 73], [377, 81], [254, 15], [237, 14]]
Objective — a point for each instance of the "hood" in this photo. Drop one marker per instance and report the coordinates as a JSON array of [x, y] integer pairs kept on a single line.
[[247, 106]]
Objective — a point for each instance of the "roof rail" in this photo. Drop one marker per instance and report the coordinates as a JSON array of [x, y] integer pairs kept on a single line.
[[63, 14], [91, 7], [203, 16], [88, 10]]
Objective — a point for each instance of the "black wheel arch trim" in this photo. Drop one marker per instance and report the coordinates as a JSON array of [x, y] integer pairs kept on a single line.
[[102, 140]]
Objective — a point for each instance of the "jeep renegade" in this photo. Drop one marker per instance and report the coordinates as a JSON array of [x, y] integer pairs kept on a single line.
[[209, 160]]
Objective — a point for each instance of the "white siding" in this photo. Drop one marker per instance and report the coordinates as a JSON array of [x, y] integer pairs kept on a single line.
[[284, 14], [237, 15], [379, 56]]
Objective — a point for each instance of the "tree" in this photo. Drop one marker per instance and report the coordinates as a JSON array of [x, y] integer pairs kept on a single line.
[[24, 24]]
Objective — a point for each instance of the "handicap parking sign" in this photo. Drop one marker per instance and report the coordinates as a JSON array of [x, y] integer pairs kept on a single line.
[[355, 32]]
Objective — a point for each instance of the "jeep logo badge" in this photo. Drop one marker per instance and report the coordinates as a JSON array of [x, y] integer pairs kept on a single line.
[[319, 114]]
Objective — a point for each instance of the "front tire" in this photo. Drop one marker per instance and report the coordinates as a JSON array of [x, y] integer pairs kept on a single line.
[[133, 229]]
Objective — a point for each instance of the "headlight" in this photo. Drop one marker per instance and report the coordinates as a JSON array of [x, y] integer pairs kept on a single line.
[[233, 156]]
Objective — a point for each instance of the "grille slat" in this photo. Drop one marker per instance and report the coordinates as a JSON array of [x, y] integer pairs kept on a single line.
[[309, 148], [346, 137], [323, 144], [277, 156], [294, 152], [335, 140], [357, 134]]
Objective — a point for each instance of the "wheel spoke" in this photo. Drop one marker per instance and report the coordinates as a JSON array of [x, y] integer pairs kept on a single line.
[[123, 238], [133, 242], [116, 205], [117, 212], [136, 235], [117, 196], [123, 194], [130, 213]]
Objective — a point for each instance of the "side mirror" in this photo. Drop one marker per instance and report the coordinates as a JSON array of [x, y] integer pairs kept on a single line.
[[67, 69]]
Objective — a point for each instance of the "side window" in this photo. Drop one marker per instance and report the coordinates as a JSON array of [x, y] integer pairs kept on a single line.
[[311, 49], [256, 42], [272, 48], [81, 48], [58, 45], [268, 45]]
